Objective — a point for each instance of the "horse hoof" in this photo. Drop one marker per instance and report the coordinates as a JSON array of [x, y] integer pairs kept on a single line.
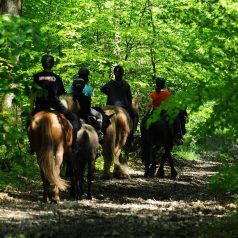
[[121, 176], [160, 174], [55, 201], [146, 175], [89, 197], [106, 177], [174, 174], [45, 200]]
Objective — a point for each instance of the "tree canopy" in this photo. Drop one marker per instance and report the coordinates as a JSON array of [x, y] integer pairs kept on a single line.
[[192, 43]]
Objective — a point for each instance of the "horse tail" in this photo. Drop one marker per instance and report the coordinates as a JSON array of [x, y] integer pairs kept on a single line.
[[124, 127], [46, 155], [83, 139]]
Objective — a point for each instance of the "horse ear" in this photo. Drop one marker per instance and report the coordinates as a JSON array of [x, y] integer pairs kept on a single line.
[[110, 116]]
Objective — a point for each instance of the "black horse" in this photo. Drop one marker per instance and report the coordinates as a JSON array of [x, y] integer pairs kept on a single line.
[[158, 137]]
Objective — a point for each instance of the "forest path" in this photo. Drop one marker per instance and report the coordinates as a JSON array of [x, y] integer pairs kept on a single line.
[[135, 207]]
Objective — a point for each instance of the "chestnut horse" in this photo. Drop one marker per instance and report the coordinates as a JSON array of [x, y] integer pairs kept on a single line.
[[116, 137], [50, 136]]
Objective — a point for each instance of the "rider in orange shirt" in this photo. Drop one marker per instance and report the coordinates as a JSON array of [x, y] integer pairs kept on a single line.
[[156, 98]]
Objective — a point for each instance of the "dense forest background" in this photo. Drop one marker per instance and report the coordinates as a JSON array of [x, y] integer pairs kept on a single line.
[[193, 44]]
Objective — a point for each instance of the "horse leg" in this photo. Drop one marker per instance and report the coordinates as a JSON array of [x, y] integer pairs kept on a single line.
[[146, 151], [128, 147], [120, 170], [80, 181], [89, 178], [71, 172], [106, 167], [146, 158], [152, 168], [171, 163], [46, 188], [107, 153], [58, 163], [160, 172]]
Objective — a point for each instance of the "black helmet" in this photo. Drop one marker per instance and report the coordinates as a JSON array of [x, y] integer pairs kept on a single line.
[[160, 82], [47, 61], [118, 70], [83, 72], [78, 86]]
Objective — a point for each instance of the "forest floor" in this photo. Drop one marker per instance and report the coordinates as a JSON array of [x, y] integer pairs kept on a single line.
[[135, 207]]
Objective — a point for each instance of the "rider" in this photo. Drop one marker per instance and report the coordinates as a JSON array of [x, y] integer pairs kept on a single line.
[[82, 92], [156, 98], [46, 90], [118, 93]]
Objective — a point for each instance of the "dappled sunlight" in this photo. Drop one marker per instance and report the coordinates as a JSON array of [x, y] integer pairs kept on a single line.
[[148, 202]]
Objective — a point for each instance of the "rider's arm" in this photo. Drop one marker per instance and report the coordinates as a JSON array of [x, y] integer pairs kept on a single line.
[[105, 89], [61, 89]]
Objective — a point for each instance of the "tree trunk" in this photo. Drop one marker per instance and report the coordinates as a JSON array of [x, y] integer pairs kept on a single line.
[[13, 7]]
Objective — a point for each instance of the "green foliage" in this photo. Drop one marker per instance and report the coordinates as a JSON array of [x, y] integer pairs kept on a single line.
[[20, 175], [192, 43], [226, 180]]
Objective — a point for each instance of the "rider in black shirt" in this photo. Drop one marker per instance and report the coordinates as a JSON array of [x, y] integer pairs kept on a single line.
[[118, 93], [82, 92], [47, 88]]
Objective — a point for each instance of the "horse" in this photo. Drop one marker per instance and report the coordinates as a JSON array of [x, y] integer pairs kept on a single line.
[[130, 140], [158, 136], [117, 128], [74, 106], [116, 136], [88, 146], [50, 136]]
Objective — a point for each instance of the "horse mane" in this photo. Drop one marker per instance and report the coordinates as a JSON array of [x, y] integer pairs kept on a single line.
[[68, 101]]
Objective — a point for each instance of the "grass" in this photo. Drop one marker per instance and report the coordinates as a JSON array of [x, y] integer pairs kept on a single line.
[[187, 154], [19, 174]]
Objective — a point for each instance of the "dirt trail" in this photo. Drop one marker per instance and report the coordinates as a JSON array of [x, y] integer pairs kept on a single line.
[[137, 207]]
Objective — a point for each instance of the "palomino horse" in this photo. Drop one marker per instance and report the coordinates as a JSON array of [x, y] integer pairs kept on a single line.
[[158, 136], [88, 145], [50, 137], [116, 137]]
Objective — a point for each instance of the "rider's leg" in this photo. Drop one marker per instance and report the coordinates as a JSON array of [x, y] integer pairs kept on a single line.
[[99, 122], [58, 106], [135, 118]]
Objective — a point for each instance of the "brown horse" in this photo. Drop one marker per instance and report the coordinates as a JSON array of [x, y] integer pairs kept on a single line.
[[118, 126], [116, 137], [88, 145], [50, 137]]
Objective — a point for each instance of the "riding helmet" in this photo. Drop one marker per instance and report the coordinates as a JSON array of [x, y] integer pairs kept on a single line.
[[118, 70], [47, 61], [160, 82], [83, 72]]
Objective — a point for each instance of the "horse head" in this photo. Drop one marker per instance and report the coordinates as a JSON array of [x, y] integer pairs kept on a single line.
[[68, 101]]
